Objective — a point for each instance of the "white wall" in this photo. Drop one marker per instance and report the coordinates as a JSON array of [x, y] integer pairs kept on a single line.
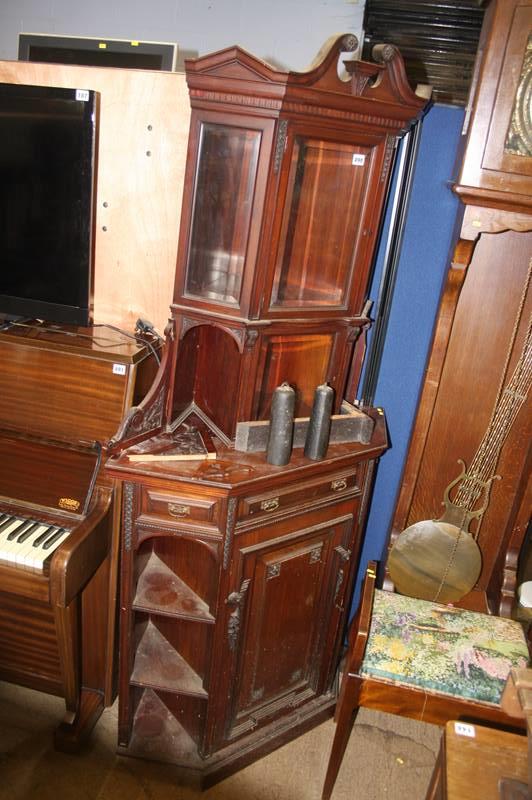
[[286, 33]]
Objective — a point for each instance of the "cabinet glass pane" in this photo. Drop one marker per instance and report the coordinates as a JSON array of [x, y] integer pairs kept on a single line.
[[223, 195], [320, 223]]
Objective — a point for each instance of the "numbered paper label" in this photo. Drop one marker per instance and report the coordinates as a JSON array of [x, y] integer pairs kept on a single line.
[[463, 729]]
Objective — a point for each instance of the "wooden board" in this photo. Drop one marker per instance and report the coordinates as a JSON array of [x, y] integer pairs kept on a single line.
[[351, 425], [478, 760], [143, 133]]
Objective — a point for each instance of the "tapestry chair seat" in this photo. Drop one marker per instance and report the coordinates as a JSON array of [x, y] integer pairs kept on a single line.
[[424, 660], [441, 648]]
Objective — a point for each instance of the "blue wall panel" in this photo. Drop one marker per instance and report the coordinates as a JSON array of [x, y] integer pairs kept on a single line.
[[427, 243]]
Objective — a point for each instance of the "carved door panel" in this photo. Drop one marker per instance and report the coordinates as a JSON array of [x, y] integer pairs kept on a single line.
[[284, 620]]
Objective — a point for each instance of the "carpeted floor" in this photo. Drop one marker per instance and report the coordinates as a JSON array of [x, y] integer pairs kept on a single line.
[[387, 757]]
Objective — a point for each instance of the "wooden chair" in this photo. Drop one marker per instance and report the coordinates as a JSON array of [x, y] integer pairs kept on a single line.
[[424, 660]]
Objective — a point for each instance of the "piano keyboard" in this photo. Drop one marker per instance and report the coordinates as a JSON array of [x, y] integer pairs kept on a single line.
[[27, 543]]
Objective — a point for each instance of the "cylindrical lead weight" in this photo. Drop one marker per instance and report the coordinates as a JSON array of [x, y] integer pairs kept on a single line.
[[281, 426], [319, 426]]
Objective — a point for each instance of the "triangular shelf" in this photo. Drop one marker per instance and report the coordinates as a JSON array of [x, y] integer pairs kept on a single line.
[[161, 591], [194, 414], [159, 665], [159, 736]]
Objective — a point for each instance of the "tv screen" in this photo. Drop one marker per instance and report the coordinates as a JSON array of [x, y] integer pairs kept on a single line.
[[47, 188], [95, 52]]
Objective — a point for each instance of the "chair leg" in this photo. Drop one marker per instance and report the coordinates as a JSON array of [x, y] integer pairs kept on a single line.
[[345, 713]]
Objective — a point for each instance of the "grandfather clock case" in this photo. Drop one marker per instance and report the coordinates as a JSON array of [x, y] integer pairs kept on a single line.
[[236, 574], [485, 317]]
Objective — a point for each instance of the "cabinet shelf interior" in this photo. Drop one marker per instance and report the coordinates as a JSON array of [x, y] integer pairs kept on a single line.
[[160, 590], [158, 735], [157, 663]]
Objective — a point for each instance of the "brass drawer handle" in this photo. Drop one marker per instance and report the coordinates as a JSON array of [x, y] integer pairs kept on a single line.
[[270, 505], [178, 510], [339, 485]]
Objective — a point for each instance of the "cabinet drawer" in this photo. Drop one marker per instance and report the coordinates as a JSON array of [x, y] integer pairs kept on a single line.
[[174, 507], [299, 495]]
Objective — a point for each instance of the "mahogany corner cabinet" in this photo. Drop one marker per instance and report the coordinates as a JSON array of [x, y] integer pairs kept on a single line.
[[237, 575], [236, 580]]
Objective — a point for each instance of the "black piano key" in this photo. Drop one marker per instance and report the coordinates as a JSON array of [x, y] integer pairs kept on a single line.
[[19, 529], [43, 535], [53, 538], [6, 522], [27, 533]]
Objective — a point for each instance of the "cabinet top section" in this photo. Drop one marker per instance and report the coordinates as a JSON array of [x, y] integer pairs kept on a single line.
[[232, 469], [339, 85]]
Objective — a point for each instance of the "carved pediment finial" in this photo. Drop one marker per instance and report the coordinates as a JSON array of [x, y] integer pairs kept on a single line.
[[384, 53], [361, 73], [349, 43]]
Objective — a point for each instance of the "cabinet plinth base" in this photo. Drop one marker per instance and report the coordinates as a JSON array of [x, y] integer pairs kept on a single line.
[[203, 773]]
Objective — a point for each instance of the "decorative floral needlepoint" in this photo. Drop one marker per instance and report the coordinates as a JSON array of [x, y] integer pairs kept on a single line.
[[441, 648]]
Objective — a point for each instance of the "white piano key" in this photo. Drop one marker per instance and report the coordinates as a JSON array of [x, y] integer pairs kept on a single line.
[[5, 527], [6, 545], [29, 549], [25, 549], [16, 522], [26, 554], [36, 559]]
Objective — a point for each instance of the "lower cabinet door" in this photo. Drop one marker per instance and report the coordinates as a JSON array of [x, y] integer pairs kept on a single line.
[[284, 619]]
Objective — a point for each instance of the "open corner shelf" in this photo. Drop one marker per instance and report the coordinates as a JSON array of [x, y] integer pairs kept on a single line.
[[158, 664], [161, 591], [159, 736]]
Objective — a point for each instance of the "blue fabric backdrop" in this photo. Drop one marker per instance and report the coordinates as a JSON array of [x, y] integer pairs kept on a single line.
[[426, 248]]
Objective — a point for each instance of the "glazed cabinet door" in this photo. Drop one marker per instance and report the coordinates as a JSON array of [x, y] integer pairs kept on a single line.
[[330, 193], [284, 619], [227, 167]]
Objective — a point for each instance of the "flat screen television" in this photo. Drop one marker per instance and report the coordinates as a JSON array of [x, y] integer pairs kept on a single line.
[[96, 52], [47, 192]]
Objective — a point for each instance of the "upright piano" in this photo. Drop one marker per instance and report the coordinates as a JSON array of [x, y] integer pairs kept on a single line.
[[63, 393]]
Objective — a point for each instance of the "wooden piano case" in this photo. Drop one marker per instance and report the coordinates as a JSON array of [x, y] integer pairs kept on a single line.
[[62, 390]]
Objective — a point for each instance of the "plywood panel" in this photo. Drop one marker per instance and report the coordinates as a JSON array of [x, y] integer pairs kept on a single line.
[[143, 132]]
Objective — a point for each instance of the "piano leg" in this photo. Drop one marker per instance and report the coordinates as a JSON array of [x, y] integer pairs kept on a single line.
[[72, 733], [67, 627], [83, 706]]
